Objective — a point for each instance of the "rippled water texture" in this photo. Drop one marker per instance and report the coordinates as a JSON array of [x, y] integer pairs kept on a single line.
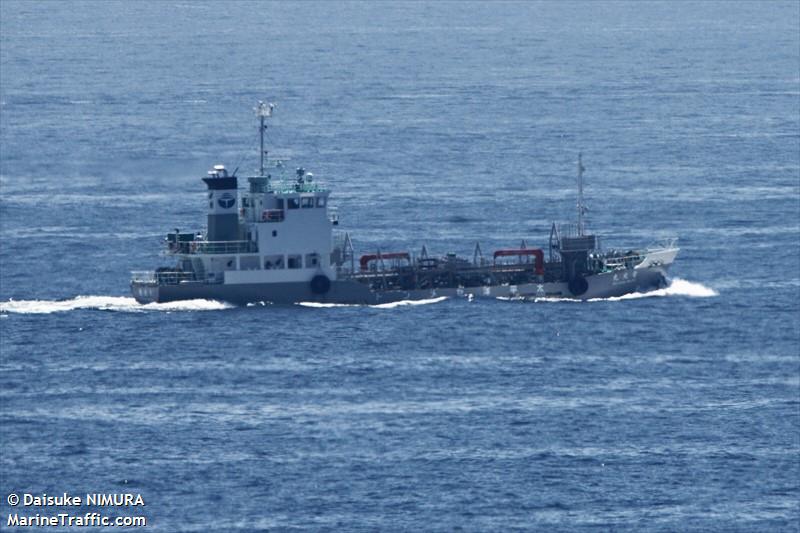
[[437, 124]]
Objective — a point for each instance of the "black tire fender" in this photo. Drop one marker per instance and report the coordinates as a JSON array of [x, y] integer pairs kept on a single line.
[[320, 284], [578, 285]]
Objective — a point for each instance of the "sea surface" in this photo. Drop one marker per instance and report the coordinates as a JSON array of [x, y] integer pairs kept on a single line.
[[433, 123]]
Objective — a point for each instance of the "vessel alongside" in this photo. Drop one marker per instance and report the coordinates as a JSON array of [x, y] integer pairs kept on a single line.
[[278, 242]]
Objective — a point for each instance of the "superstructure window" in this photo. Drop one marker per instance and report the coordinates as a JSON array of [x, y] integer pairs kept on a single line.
[[321, 201], [307, 202], [273, 262], [294, 203], [294, 261], [249, 262], [312, 260]]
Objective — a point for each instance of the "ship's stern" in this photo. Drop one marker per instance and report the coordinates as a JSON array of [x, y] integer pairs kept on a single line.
[[144, 287]]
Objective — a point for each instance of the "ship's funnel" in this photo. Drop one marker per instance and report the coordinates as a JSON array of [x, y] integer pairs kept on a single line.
[[223, 204]]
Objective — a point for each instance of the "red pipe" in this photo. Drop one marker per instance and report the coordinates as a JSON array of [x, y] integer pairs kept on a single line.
[[366, 259], [524, 251]]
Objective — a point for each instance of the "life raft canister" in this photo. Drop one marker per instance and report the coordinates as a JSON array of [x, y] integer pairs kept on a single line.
[[578, 285], [320, 284]]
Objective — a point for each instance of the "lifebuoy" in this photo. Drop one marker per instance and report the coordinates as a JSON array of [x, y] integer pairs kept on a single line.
[[578, 285], [320, 284]]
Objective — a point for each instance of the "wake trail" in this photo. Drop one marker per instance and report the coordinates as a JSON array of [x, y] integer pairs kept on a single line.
[[678, 287], [105, 303], [390, 305]]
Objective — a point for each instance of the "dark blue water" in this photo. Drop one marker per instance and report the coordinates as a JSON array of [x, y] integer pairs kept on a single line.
[[437, 123]]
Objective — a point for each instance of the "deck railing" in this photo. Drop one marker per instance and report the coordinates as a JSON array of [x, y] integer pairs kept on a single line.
[[215, 247], [161, 278]]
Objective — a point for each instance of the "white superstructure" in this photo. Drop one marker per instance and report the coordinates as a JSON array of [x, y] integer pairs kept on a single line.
[[277, 231]]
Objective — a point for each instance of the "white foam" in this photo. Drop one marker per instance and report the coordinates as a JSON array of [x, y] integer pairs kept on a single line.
[[677, 287], [390, 305], [562, 300], [105, 303], [320, 305]]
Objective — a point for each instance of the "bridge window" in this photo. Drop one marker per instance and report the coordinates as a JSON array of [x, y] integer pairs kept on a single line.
[[280, 203], [273, 262], [307, 202], [312, 260], [249, 262], [294, 203], [321, 201], [294, 261]]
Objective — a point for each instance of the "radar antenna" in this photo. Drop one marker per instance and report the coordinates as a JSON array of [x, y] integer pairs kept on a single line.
[[263, 111], [581, 205]]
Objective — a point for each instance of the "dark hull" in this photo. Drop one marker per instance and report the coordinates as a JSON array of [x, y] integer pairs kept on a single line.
[[605, 285]]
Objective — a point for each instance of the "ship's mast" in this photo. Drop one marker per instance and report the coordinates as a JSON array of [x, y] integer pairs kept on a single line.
[[263, 111], [581, 205]]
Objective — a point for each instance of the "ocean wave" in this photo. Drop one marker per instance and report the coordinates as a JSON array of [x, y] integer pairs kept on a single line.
[[105, 303]]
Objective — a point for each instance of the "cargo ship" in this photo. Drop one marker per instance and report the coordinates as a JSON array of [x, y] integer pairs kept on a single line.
[[279, 241]]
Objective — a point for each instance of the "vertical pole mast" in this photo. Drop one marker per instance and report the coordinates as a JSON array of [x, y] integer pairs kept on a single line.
[[263, 111], [261, 135], [581, 207]]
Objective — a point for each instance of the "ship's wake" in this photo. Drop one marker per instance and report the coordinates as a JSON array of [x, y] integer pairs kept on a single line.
[[390, 305], [105, 303], [677, 287], [127, 304]]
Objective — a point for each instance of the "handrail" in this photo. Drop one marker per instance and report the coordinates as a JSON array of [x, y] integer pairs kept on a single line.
[[368, 258], [161, 278], [667, 243], [288, 186], [538, 253], [623, 260], [143, 276], [218, 247], [272, 215]]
